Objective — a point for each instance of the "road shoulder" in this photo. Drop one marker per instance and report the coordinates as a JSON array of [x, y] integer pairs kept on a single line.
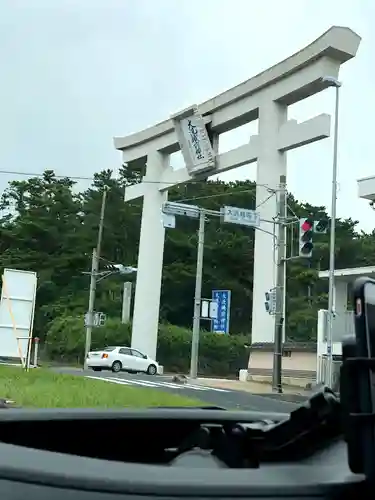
[[251, 386]]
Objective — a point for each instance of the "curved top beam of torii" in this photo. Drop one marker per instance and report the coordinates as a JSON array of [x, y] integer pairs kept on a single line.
[[292, 80]]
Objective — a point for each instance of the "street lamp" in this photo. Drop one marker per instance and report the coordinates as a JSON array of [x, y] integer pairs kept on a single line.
[[332, 82], [126, 269], [127, 287], [120, 269]]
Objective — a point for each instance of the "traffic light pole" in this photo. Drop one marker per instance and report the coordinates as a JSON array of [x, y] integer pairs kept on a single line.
[[90, 311], [331, 284], [280, 287]]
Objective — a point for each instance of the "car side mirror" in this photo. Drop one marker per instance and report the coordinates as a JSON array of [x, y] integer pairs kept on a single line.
[[145, 356]]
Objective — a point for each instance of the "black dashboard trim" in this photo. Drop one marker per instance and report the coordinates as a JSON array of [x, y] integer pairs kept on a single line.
[[65, 471]]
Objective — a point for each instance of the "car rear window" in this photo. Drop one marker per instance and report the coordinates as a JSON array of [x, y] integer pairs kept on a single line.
[[109, 349]]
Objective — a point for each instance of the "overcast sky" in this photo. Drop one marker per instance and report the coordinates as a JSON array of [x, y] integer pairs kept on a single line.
[[75, 73]]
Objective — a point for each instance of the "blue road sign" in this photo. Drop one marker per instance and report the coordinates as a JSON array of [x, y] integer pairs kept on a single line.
[[221, 323]]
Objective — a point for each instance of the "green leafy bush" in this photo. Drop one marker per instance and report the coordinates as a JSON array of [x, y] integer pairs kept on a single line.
[[218, 354]]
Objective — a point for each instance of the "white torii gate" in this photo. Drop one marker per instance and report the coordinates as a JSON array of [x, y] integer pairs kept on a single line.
[[267, 97]]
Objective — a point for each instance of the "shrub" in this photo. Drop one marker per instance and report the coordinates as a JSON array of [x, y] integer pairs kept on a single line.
[[222, 355]]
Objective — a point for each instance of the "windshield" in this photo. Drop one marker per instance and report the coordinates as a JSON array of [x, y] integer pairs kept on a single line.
[[148, 270]]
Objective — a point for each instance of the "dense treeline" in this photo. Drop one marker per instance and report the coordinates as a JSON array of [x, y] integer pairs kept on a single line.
[[49, 227]]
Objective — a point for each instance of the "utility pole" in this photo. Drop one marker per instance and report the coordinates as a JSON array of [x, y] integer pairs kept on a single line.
[[331, 284], [197, 298], [280, 287], [93, 275]]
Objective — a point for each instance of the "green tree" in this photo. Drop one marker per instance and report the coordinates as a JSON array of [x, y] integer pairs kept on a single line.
[[48, 227], [41, 232]]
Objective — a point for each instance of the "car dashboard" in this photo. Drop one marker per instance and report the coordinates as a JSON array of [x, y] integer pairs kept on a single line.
[[170, 453]]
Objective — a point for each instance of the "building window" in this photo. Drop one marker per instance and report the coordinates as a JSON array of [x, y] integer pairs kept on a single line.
[[287, 354]]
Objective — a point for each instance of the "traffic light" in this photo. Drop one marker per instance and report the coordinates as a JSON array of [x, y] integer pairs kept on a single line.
[[120, 268], [101, 319], [87, 319], [112, 267], [270, 303], [306, 227], [321, 226]]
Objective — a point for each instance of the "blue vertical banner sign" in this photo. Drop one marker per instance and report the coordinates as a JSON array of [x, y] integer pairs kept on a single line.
[[221, 323]]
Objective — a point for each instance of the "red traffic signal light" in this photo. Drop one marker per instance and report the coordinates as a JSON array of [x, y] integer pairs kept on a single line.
[[307, 224], [306, 228]]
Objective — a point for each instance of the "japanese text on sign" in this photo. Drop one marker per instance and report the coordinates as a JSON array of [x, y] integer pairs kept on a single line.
[[197, 143], [194, 136], [221, 323], [194, 141], [242, 216]]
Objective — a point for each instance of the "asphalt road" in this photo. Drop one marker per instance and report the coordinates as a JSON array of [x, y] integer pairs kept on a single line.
[[225, 398]]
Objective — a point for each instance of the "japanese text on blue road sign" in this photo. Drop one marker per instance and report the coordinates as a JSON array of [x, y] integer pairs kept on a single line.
[[221, 323]]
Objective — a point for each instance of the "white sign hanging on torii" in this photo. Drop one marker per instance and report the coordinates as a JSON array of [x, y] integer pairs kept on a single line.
[[194, 141]]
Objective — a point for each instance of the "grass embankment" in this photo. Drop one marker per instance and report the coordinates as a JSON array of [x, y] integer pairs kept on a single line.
[[41, 388]]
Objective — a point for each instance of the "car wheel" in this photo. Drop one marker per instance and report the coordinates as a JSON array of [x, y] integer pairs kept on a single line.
[[116, 366], [152, 370], [97, 369]]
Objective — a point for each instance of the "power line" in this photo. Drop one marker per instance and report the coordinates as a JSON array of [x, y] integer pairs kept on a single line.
[[33, 174], [82, 178], [242, 191], [266, 199], [196, 198]]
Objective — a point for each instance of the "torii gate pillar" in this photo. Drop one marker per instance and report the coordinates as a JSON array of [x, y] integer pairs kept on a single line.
[[150, 259], [267, 97], [270, 165]]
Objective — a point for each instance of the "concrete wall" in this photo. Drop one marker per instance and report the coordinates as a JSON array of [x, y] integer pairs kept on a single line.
[[298, 361]]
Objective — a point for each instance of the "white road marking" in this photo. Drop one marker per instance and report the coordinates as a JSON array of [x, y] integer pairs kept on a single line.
[[173, 386], [207, 388], [195, 387], [115, 381], [148, 383], [142, 383]]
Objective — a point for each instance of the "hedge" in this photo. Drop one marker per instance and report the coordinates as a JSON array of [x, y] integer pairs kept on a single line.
[[221, 355]]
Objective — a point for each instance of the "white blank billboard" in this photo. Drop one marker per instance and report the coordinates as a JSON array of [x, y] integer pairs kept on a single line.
[[18, 290]]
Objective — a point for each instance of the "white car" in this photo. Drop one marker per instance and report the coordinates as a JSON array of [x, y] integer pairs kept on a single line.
[[117, 358]]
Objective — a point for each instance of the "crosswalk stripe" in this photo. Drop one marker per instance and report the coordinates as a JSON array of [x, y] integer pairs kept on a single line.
[[144, 383], [114, 381], [173, 386], [147, 383], [195, 387], [214, 388]]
